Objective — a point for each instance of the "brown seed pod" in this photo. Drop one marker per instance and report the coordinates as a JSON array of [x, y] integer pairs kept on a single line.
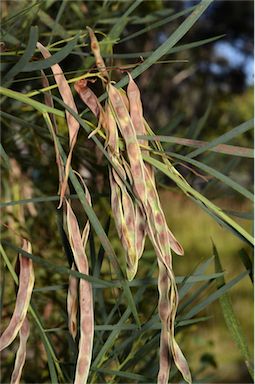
[[72, 304], [86, 298], [96, 51], [21, 352], [128, 132], [26, 284], [72, 123]]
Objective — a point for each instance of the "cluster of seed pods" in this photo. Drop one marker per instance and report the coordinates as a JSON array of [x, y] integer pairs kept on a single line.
[[79, 292], [137, 212]]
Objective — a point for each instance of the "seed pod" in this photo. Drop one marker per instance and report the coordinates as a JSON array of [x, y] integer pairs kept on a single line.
[[133, 150], [180, 361], [53, 130], [86, 300], [112, 142], [125, 99], [88, 96], [26, 284], [112, 131], [125, 221], [164, 357], [162, 240], [136, 114], [129, 234], [116, 204], [72, 304], [140, 230], [174, 244], [21, 352], [168, 302], [160, 221], [96, 51], [136, 109], [66, 94], [72, 123]]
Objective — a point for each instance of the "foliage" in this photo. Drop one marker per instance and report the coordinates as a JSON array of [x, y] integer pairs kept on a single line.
[[29, 150]]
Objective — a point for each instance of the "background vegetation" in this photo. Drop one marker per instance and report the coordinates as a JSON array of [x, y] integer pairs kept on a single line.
[[200, 89]]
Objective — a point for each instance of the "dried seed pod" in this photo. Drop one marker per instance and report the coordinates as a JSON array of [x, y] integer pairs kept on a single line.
[[26, 284], [86, 299], [91, 100], [72, 304], [96, 51], [127, 169], [122, 203], [125, 99], [136, 114], [54, 130], [66, 95], [140, 230], [136, 109], [112, 142], [88, 96], [129, 234], [112, 133], [166, 237], [162, 240], [21, 352], [168, 302], [72, 123], [128, 132], [174, 244], [180, 361], [164, 310], [164, 357], [125, 221], [116, 203]]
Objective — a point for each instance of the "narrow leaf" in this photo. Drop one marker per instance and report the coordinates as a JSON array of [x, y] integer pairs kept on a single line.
[[214, 296], [201, 199], [218, 175], [221, 148], [157, 24], [242, 128], [231, 320], [29, 101], [28, 53], [247, 262], [122, 21], [171, 41], [54, 59]]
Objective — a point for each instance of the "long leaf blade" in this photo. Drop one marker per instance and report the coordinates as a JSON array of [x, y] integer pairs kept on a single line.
[[218, 175], [29, 51], [171, 41], [54, 59], [242, 128], [220, 148], [198, 197], [231, 320]]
